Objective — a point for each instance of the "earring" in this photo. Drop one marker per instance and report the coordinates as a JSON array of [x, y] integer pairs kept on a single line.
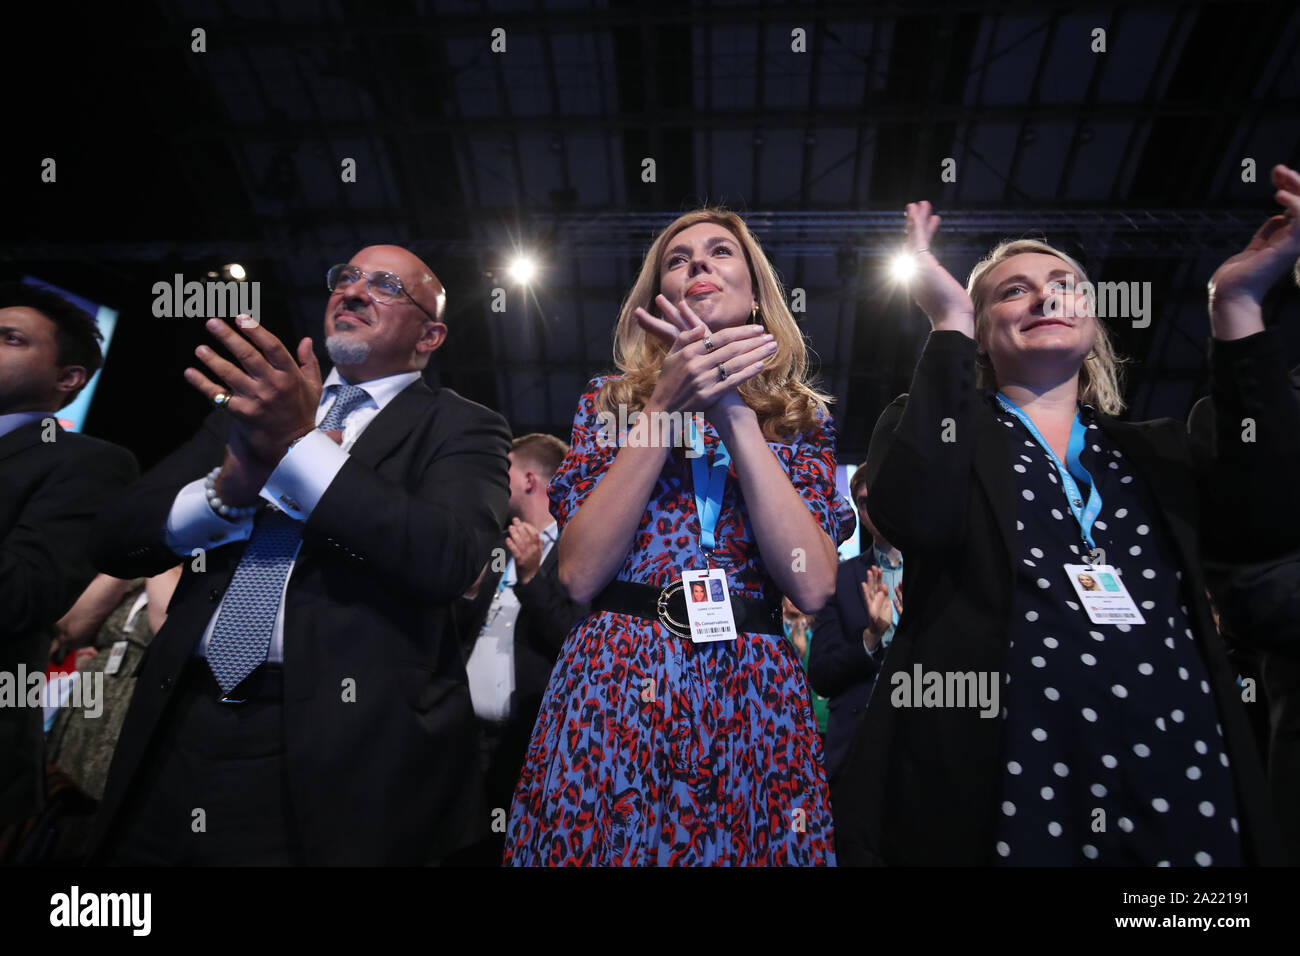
[[753, 315]]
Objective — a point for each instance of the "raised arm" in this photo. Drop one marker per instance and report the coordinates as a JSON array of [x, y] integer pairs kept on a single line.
[[941, 297], [597, 539], [919, 462], [796, 551], [1237, 287], [1252, 467]]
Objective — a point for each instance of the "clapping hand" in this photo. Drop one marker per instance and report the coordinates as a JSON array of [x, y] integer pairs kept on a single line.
[[1237, 287], [273, 398], [524, 542], [690, 380], [939, 295], [876, 599]]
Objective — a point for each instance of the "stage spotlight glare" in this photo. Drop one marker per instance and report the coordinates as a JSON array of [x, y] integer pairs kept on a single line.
[[902, 267], [522, 270], [235, 271]]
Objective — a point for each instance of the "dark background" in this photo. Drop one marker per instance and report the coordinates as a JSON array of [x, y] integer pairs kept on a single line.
[[174, 161]]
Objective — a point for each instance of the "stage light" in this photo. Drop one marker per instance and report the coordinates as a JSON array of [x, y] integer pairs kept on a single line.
[[522, 270], [235, 271], [902, 267]]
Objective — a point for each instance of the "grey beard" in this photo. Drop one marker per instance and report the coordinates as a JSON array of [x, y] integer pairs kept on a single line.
[[344, 350]]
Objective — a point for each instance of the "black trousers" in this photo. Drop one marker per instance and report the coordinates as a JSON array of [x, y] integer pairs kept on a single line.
[[213, 790]]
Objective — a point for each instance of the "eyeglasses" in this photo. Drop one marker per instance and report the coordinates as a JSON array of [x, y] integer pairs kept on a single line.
[[380, 285]]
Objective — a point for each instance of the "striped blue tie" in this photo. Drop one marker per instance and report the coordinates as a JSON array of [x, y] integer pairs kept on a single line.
[[243, 630]]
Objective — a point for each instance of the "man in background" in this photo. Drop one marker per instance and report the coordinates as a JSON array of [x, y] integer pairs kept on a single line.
[[519, 617], [52, 483], [853, 631]]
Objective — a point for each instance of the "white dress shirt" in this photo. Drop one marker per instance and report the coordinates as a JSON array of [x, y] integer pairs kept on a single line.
[[295, 487], [491, 665]]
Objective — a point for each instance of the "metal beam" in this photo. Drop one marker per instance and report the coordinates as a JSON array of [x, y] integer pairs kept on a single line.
[[1159, 233], [904, 113]]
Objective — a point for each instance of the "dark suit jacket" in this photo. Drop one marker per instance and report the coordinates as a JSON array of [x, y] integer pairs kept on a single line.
[[926, 782], [403, 529], [49, 494], [546, 615], [1259, 614], [839, 668], [1259, 603]]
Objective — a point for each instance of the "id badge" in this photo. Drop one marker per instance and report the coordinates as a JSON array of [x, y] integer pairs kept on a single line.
[[708, 605], [1103, 594], [115, 657]]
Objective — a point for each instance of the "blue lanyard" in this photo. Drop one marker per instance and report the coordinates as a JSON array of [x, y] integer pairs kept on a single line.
[[1084, 514], [711, 478]]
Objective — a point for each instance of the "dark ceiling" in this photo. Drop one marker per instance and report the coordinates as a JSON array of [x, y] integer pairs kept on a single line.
[[170, 160]]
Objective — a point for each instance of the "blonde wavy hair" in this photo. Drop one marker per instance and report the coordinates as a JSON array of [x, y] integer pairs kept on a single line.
[[781, 395], [1101, 373]]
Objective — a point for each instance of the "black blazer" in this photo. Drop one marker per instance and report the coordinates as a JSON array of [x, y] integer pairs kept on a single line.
[[49, 494], [403, 529], [925, 783], [839, 667]]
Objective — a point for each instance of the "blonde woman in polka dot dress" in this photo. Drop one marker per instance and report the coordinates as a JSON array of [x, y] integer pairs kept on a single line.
[[1021, 502]]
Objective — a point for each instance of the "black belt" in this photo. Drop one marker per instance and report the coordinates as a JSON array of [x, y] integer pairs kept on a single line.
[[668, 607], [266, 682]]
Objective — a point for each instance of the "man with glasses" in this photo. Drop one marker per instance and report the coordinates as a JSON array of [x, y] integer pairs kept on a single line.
[[306, 701]]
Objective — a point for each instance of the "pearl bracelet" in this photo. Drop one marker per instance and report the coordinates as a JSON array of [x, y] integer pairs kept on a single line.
[[229, 512]]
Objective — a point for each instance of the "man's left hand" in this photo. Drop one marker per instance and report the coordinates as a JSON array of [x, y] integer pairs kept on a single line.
[[273, 396], [525, 545]]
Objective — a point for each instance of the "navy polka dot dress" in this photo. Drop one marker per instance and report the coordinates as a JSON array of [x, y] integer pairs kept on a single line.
[[1111, 739]]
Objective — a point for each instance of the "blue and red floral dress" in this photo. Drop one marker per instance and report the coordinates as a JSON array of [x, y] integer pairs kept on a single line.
[[651, 749]]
